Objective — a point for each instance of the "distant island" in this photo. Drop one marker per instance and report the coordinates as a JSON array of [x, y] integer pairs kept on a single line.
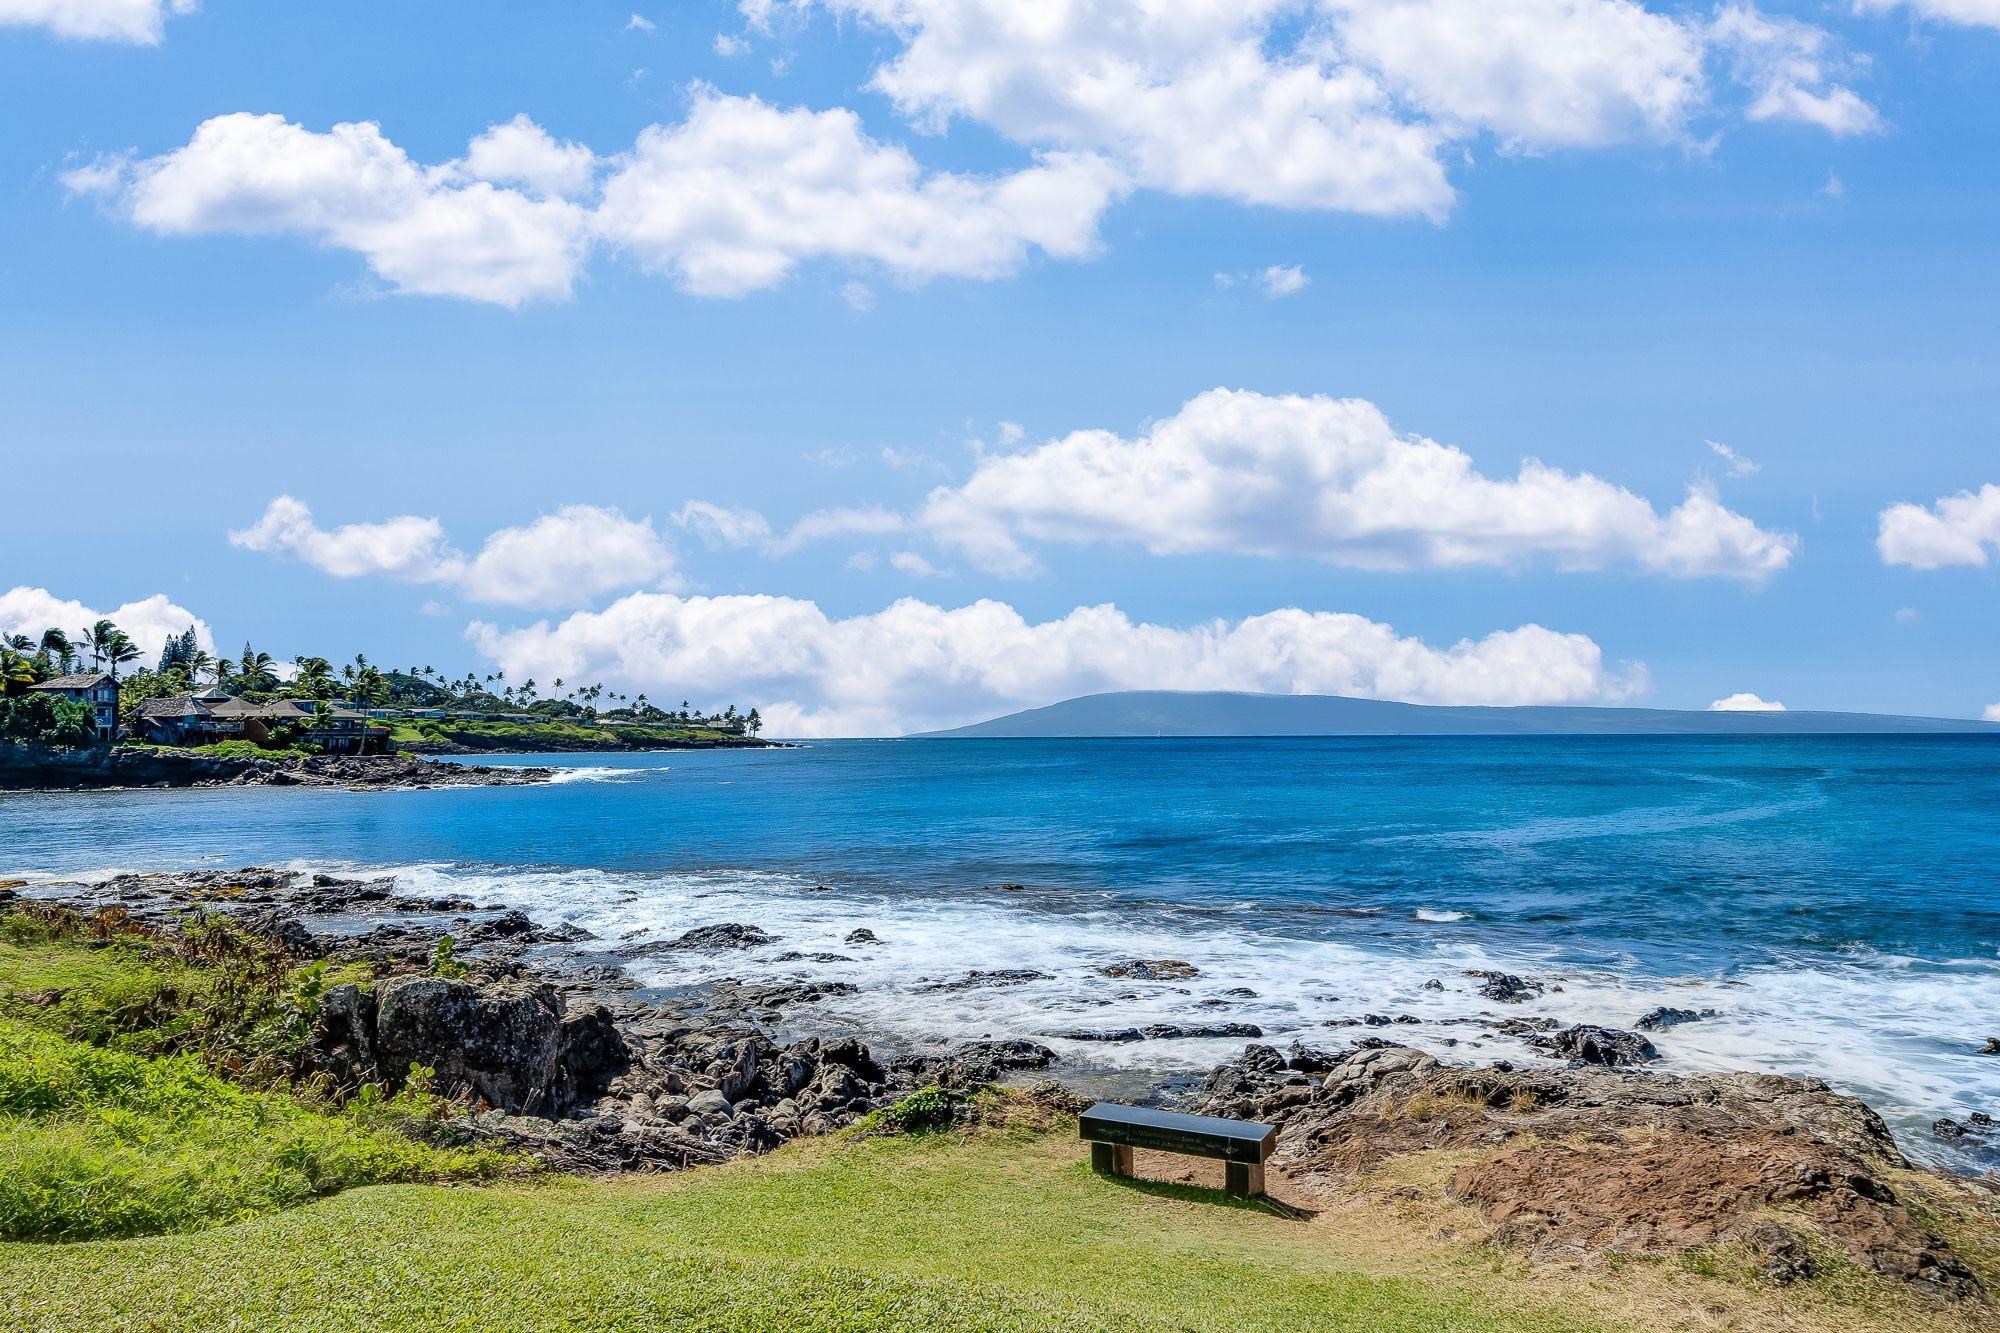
[[1134, 713]]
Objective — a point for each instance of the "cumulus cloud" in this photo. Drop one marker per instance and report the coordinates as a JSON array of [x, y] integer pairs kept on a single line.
[[1351, 105], [1789, 68], [140, 22], [1746, 703], [521, 152], [147, 622], [440, 231], [640, 23], [1992, 713], [562, 559], [1330, 479], [1958, 530], [727, 202], [730, 200], [915, 665]]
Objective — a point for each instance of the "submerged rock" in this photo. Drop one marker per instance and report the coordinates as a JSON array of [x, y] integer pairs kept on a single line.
[[1506, 987], [1151, 969], [1593, 1045], [727, 935], [1664, 1017]]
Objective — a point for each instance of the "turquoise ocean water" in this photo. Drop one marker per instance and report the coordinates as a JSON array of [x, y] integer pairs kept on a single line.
[[1836, 899]]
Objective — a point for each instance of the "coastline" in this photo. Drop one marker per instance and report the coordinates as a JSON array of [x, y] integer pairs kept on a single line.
[[26, 767], [596, 1073]]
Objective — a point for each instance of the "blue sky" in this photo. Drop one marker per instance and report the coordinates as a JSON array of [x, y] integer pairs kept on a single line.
[[890, 257]]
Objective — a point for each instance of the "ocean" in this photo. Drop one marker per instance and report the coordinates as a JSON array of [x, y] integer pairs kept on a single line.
[[1835, 899]]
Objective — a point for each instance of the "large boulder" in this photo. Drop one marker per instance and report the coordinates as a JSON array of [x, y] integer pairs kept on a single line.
[[499, 1042]]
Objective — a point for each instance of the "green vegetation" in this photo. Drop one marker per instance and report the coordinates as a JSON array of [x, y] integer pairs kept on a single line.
[[557, 734], [46, 720], [152, 1081], [993, 1230], [97, 1143], [252, 750]]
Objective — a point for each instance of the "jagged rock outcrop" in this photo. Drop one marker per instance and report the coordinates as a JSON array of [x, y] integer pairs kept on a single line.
[[38, 766], [1590, 1159]]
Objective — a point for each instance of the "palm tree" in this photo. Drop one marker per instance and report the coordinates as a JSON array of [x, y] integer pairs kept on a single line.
[[99, 637], [118, 649], [57, 643], [315, 678], [369, 686], [199, 665]]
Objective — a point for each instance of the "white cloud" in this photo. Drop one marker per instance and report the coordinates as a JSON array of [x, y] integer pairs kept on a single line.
[[729, 46], [859, 295], [434, 608], [822, 524], [1537, 73], [140, 22], [1957, 530], [562, 559], [1978, 13], [521, 152], [733, 198], [1834, 188], [1908, 615], [727, 202], [407, 547], [1324, 478], [1738, 465], [1789, 68], [1351, 105], [567, 558], [909, 562], [147, 622], [1283, 280], [1746, 703], [1992, 713], [640, 23], [719, 526], [430, 230], [863, 562], [914, 665]]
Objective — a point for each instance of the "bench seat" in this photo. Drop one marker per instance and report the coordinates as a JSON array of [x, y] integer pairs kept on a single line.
[[1113, 1130]]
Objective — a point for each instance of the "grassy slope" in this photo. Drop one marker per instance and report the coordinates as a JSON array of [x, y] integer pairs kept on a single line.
[[988, 1232]]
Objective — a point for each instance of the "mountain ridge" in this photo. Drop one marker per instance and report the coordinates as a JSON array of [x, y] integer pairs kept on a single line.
[[1223, 714]]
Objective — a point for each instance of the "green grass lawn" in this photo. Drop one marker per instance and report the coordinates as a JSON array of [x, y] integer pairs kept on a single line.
[[999, 1230]]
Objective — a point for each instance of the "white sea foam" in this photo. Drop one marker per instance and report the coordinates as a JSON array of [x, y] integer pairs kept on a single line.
[[1440, 915], [1897, 1032]]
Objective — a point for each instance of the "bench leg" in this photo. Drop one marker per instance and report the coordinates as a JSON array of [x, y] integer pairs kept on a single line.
[[1245, 1180], [1111, 1159]]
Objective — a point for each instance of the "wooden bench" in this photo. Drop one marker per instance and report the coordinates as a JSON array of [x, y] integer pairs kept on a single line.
[[1114, 1130]]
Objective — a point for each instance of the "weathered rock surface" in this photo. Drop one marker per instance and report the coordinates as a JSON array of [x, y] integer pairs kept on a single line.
[[1151, 969], [1586, 1043], [727, 935], [1664, 1017], [1588, 1159]]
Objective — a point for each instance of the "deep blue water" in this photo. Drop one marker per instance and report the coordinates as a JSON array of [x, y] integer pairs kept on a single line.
[[1837, 898]]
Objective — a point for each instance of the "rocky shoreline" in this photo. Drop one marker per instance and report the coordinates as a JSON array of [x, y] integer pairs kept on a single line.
[[43, 768], [562, 1056]]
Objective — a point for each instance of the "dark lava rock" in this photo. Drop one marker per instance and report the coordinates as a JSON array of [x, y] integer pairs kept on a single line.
[[1162, 1032], [861, 936], [1659, 1020], [1151, 969], [1593, 1045], [1506, 987], [499, 1043], [728, 935], [1992, 1046], [976, 980]]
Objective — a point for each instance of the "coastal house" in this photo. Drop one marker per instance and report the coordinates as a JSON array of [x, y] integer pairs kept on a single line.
[[98, 689], [186, 719]]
